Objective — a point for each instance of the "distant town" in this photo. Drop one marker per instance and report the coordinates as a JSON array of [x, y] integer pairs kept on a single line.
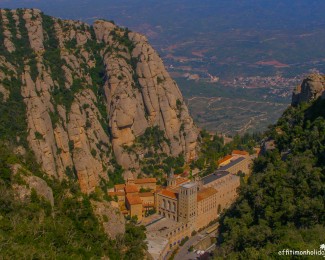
[[244, 82], [278, 85]]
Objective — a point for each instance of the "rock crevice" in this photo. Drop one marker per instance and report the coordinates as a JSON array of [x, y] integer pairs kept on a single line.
[[91, 91]]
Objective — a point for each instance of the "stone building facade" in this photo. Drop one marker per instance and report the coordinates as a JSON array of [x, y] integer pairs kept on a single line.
[[167, 204], [184, 205], [207, 207], [136, 197], [225, 184], [190, 205], [238, 161], [134, 204], [197, 202], [187, 198]]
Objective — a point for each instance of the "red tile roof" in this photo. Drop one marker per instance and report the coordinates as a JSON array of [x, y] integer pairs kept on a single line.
[[133, 199], [131, 188], [206, 193], [240, 152], [119, 187], [224, 159], [145, 180], [169, 193], [117, 193]]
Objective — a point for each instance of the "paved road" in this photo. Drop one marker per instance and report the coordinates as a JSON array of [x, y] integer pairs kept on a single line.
[[183, 253]]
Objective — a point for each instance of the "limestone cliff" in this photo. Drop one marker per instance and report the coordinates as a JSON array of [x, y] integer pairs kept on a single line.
[[310, 89], [141, 94], [89, 93]]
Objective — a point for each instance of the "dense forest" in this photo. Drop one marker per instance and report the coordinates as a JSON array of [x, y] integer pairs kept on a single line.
[[282, 205], [213, 148], [33, 229]]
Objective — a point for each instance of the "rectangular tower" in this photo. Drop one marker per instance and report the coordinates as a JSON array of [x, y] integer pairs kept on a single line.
[[187, 206]]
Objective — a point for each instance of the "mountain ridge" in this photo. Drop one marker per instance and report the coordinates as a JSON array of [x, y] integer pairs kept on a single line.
[[90, 93]]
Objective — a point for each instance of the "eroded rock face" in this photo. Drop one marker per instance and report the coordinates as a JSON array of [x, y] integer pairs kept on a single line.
[[89, 93], [311, 88], [31, 182], [5, 93], [4, 76], [35, 29], [141, 94], [7, 33], [112, 219]]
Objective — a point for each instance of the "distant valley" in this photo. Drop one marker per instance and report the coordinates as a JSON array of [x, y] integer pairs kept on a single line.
[[214, 49], [232, 110], [107, 154]]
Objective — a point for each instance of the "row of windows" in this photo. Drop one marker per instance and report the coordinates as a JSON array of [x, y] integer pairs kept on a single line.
[[177, 230], [209, 207], [168, 205], [168, 215], [192, 214], [188, 191]]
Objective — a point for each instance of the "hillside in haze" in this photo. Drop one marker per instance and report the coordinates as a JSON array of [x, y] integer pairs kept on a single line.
[[260, 48], [282, 204], [226, 37], [86, 106]]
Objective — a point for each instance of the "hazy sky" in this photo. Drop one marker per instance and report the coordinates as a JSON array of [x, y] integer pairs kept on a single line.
[[294, 11]]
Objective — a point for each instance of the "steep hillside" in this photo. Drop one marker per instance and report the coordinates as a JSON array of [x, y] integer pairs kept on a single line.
[[44, 218], [80, 107], [83, 98], [282, 205]]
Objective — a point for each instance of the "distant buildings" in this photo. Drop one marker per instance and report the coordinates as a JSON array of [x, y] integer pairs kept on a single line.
[[184, 205], [238, 161], [191, 205], [136, 197]]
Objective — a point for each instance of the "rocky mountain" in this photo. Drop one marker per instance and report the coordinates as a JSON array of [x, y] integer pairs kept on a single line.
[[83, 97], [310, 89]]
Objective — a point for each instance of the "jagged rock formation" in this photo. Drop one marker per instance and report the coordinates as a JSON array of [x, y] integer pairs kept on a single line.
[[112, 219], [89, 93], [140, 94], [311, 88], [28, 182]]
